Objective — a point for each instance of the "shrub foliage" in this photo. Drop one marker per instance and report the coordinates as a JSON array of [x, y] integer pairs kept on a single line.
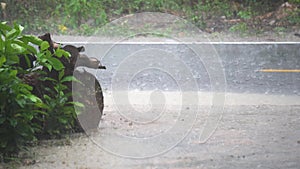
[[24, 112], [86, 16]]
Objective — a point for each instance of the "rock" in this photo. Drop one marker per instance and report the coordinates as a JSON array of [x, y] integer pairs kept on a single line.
[[272, 22], [27, 162]]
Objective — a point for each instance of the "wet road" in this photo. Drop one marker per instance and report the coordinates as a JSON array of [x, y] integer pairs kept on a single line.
[[241, 64], [257, 136], [256, 122]]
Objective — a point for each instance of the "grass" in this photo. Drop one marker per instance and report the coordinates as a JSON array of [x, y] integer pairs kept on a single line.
[[82, 17]]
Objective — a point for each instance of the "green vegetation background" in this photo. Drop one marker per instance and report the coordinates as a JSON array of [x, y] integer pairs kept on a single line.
[[83, 17]]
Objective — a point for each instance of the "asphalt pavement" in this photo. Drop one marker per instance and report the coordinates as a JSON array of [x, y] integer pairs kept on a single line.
[[209, 105], [166, 65]]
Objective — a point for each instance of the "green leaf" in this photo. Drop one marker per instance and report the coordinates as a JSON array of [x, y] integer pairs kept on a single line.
[[20, 28], [17, 48], [76, 80], [44, 106], [13, 73], [49, 79], [13, 122], [28, 62], [41, 57], [66, 54], [47, 97], [60, 52], [63, 87], [77, 104], [2, 44], [57, 65], [4, 27], [61, 74], [63, 121], [49, 66], [2, 60], [13, 59], [44, 45], [34, 98], [32, 39], [68, 79], [30, 48], [12, 34]]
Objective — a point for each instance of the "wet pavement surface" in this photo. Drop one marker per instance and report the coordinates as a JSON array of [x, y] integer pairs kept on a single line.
[[256, 136], [256, 123], [240, 64]]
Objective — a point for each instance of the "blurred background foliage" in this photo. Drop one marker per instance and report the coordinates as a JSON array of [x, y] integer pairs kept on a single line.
[[82, 17]]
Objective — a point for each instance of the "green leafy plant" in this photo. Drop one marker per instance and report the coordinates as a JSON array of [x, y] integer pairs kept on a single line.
[[55, 93], [279, 29], [80, 12], [84, 17], [240, 27], [25, 114], [297, 2], [246, 14], [62, 116], [18, 106], [294, 18]]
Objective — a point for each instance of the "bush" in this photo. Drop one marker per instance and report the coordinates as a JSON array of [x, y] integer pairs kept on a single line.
[[62, 116], [24, 112], [18, 106], [85, 17]]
